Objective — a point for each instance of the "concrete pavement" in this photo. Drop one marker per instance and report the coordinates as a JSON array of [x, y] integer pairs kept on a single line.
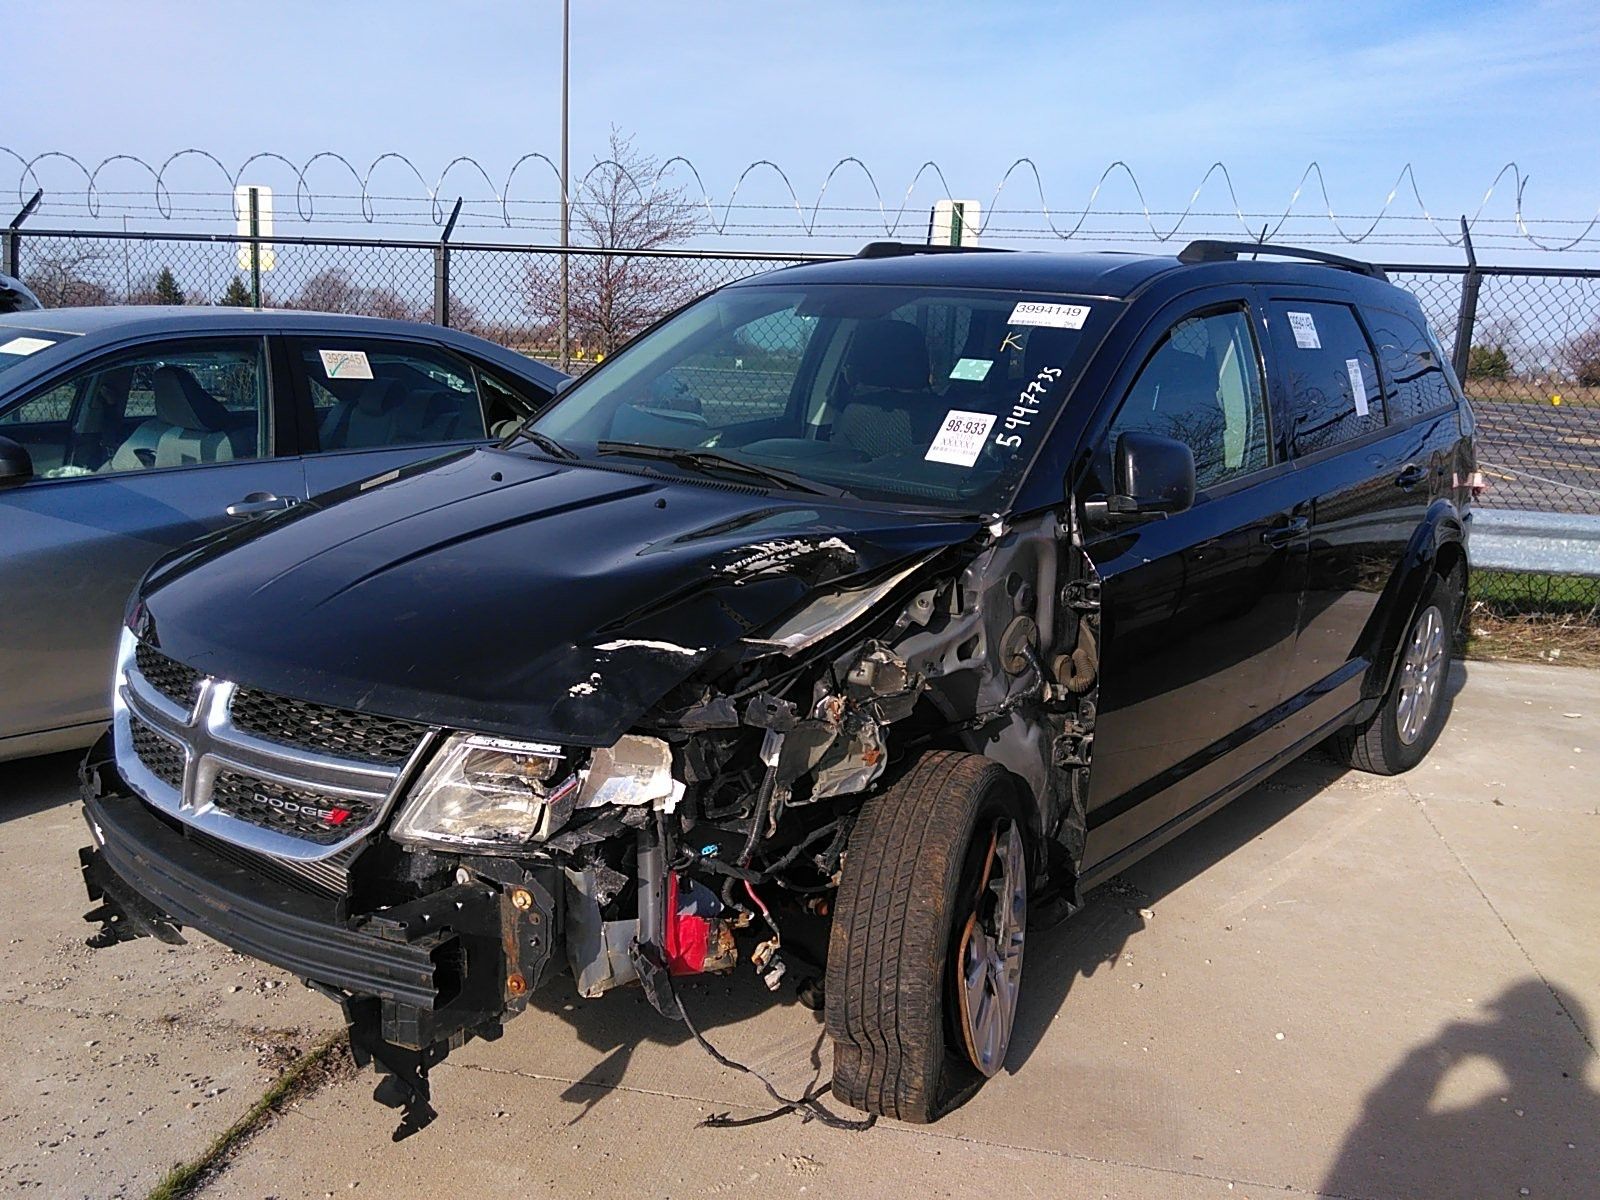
[[1340, 985]]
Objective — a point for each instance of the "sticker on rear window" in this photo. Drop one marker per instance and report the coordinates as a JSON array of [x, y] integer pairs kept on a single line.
[[1057, 316], [1305, 331], [346, 364], [25, 345], [1358, 385], [960, 438], [974, 369]]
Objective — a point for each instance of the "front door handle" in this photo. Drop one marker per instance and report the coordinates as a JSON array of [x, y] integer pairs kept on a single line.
[[1410, 475], [1282, 535], [257, 503]]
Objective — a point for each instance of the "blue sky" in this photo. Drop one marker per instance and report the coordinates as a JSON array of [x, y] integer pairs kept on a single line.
[[1363, 88]]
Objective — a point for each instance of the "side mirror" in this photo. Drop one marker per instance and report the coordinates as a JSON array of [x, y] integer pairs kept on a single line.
[[15, 464], [1154, 476]]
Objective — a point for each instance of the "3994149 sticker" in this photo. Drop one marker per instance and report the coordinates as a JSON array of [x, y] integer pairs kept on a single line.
[[1305, 331], [960, 438], [1056, 316], [346, 364]]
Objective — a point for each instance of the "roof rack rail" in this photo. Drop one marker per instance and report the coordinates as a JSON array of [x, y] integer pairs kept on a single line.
[[1205, 251], [899, 249]]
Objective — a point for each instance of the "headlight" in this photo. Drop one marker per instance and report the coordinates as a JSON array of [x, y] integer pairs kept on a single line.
[[488, 794]]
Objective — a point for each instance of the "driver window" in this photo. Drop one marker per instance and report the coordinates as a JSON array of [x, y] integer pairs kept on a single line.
[[174, 406], [1202, 386]]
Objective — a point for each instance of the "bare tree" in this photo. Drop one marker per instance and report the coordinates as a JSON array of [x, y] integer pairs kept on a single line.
[[66, 280], [617, 206]]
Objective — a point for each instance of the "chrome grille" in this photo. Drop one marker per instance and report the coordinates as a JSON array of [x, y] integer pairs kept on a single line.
[[172, 679], [329, 730], [299, 812], [300, 784], [162, 758]]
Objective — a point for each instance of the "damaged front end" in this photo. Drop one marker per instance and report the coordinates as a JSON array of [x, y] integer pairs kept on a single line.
[[473, 869]]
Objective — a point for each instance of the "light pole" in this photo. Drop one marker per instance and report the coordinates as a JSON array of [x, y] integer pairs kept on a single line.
[[566, 220]]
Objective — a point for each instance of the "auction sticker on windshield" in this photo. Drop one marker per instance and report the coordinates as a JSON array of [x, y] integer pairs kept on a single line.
[[1057, 316], [346, 364], [24, 345], [960, 438]]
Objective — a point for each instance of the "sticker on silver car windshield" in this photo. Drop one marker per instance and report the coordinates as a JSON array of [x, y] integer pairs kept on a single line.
[[1057, 316], [972, 369], [1358, 385], [960, 438], [346, 364], [1305, 331], [25, 345]]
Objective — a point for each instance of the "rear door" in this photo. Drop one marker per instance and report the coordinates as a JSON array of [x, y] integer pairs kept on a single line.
[[1368, 482], [136, 453], [1199, 611], [369, 405]]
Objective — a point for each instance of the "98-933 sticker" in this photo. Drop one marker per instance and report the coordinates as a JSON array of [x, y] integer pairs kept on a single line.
[[960, 438]]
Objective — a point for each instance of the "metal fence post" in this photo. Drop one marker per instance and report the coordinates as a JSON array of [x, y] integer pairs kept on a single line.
[[11, 253], [1469, 306], [255, 248], [441, 270]]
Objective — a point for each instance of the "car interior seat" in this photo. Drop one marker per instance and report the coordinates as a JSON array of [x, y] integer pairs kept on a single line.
[[189, 426], [885, 408], [364, 415]]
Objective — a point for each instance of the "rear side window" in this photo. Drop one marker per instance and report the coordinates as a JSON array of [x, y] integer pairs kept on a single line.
[[367, 394], [1328, 365], [1414, 376]]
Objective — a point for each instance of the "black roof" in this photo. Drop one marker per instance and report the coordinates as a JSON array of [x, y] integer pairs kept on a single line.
[[1097, 273]]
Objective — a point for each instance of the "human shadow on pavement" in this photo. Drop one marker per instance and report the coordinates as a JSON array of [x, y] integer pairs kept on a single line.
[[31, 785], [1497, 1107]]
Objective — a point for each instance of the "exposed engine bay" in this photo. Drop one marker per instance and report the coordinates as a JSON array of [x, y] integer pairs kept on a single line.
[[689, 844]]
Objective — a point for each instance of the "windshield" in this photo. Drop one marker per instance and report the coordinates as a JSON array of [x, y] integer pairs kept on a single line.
[[933, 396], [17, 345]]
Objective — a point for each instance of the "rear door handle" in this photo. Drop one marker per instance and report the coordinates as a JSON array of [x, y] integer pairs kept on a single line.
[[1282, 535], [257, 503], [1410, 475]]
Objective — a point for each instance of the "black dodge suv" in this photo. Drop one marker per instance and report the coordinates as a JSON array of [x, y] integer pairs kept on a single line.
[[900, 591]]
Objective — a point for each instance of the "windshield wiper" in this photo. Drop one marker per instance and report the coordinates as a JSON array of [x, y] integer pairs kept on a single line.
[[542, 440], [712, 460]]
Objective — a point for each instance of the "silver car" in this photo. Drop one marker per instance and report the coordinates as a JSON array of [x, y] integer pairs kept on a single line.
[[128, 432]]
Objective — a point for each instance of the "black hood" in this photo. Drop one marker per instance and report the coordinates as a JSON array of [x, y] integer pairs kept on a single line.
[[507, 594]]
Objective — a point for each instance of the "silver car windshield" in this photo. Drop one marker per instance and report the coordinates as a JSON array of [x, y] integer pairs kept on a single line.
[[18, 345], [930, 396]]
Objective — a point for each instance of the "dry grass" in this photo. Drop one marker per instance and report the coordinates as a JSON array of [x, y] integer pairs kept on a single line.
[[1568, 640]]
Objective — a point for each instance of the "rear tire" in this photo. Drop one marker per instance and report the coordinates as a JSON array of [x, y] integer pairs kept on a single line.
[[1399, 735], [925, 957]]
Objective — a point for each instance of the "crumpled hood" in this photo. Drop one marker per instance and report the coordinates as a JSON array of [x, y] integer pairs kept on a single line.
[[506, 594]]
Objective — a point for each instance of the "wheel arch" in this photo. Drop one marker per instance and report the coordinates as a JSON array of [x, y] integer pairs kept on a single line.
[[1437, 547]]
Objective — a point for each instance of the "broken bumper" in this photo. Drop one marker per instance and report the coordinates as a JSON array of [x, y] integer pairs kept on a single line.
[[448, 963]]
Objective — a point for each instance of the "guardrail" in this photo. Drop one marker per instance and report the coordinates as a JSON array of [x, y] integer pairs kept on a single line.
[[1526, 541]]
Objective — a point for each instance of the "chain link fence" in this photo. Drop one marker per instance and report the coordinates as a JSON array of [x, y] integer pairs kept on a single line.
[[1526, 341]]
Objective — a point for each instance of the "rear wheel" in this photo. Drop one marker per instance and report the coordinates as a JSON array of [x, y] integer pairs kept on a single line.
[[1399, 735], [925, 961]]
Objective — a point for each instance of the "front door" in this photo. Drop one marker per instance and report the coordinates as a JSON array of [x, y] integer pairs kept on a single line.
[[134, 455], [1198, 610]]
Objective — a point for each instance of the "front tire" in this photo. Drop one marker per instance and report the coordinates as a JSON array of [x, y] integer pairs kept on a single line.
[[925, 960], [1399, 735]]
